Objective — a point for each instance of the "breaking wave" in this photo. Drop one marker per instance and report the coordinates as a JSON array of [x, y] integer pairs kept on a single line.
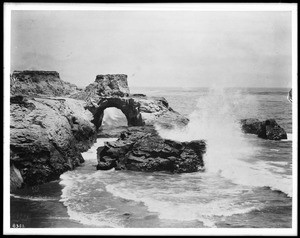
[[230, 153]]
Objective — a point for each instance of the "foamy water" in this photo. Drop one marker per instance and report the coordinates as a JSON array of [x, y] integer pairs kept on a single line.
[[229, 152], [34, 198], [73, 183], [238, 187]]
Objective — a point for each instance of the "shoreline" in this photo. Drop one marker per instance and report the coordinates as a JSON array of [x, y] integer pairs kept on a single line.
[[26, 203], [43, 206], [39, 209]]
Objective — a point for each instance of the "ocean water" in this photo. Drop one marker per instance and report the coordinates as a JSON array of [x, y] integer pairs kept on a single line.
[[247, 182]]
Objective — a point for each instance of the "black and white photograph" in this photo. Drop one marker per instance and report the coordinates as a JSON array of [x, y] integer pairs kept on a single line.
[[150, 119]]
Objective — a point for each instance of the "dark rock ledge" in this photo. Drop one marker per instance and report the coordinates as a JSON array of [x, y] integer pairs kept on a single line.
[[268, 129], [47, 137], [142, 149]]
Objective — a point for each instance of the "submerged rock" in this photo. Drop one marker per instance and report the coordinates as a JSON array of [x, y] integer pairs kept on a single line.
[[47, 136], [268, 129], [142, 149]]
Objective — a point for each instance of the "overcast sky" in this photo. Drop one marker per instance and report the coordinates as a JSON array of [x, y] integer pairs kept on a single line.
[[157, 48]]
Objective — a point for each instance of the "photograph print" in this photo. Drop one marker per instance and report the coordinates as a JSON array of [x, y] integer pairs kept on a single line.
[[150, 116]]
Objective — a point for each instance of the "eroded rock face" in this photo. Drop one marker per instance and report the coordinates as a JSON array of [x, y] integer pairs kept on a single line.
[[110, 85], [128, 106], [112, 91], [268, 129], [142, 149], [47, 136], [36, 83], [156, 110], [48, 132]]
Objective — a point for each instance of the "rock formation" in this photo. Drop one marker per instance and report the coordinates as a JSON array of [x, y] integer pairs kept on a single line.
[[110, 85], [52, 122], [156, 110], [112, 91], [268, 129], [47, 137], [36, 83], [142, 149], [128, 106]]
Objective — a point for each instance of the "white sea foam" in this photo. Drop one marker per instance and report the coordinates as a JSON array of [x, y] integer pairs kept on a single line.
[[73, 197], [184, 209], [216, 119], [94, 219], [281, 163], [229, 155], [77, 185], [32, 198], [91, 154]]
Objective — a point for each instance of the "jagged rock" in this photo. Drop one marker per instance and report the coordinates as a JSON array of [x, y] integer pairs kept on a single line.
[[140, 111], [48, 132], [47, 136], [110, 85], [156, 110], [142, 149], [128, 106], [36, 83], [268, 129], [112, 91]]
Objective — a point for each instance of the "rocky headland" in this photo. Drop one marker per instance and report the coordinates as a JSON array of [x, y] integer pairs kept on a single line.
[[40, 83], [52, 122], [113, 91], [48, 130]]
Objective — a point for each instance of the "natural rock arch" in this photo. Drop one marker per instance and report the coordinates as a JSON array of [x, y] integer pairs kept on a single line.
[[128, 106]]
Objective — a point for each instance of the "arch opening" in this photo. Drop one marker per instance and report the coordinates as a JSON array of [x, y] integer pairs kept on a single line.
[[113, 117], [129, 107]]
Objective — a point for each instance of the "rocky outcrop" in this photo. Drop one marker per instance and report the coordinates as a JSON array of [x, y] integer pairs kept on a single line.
[[128, 106], [140, 111], [36, 83], [268, 129], [52, 122], [47, 136], [112, 91], [156, 110], [142, 149], [290, 95], [110, 85]]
